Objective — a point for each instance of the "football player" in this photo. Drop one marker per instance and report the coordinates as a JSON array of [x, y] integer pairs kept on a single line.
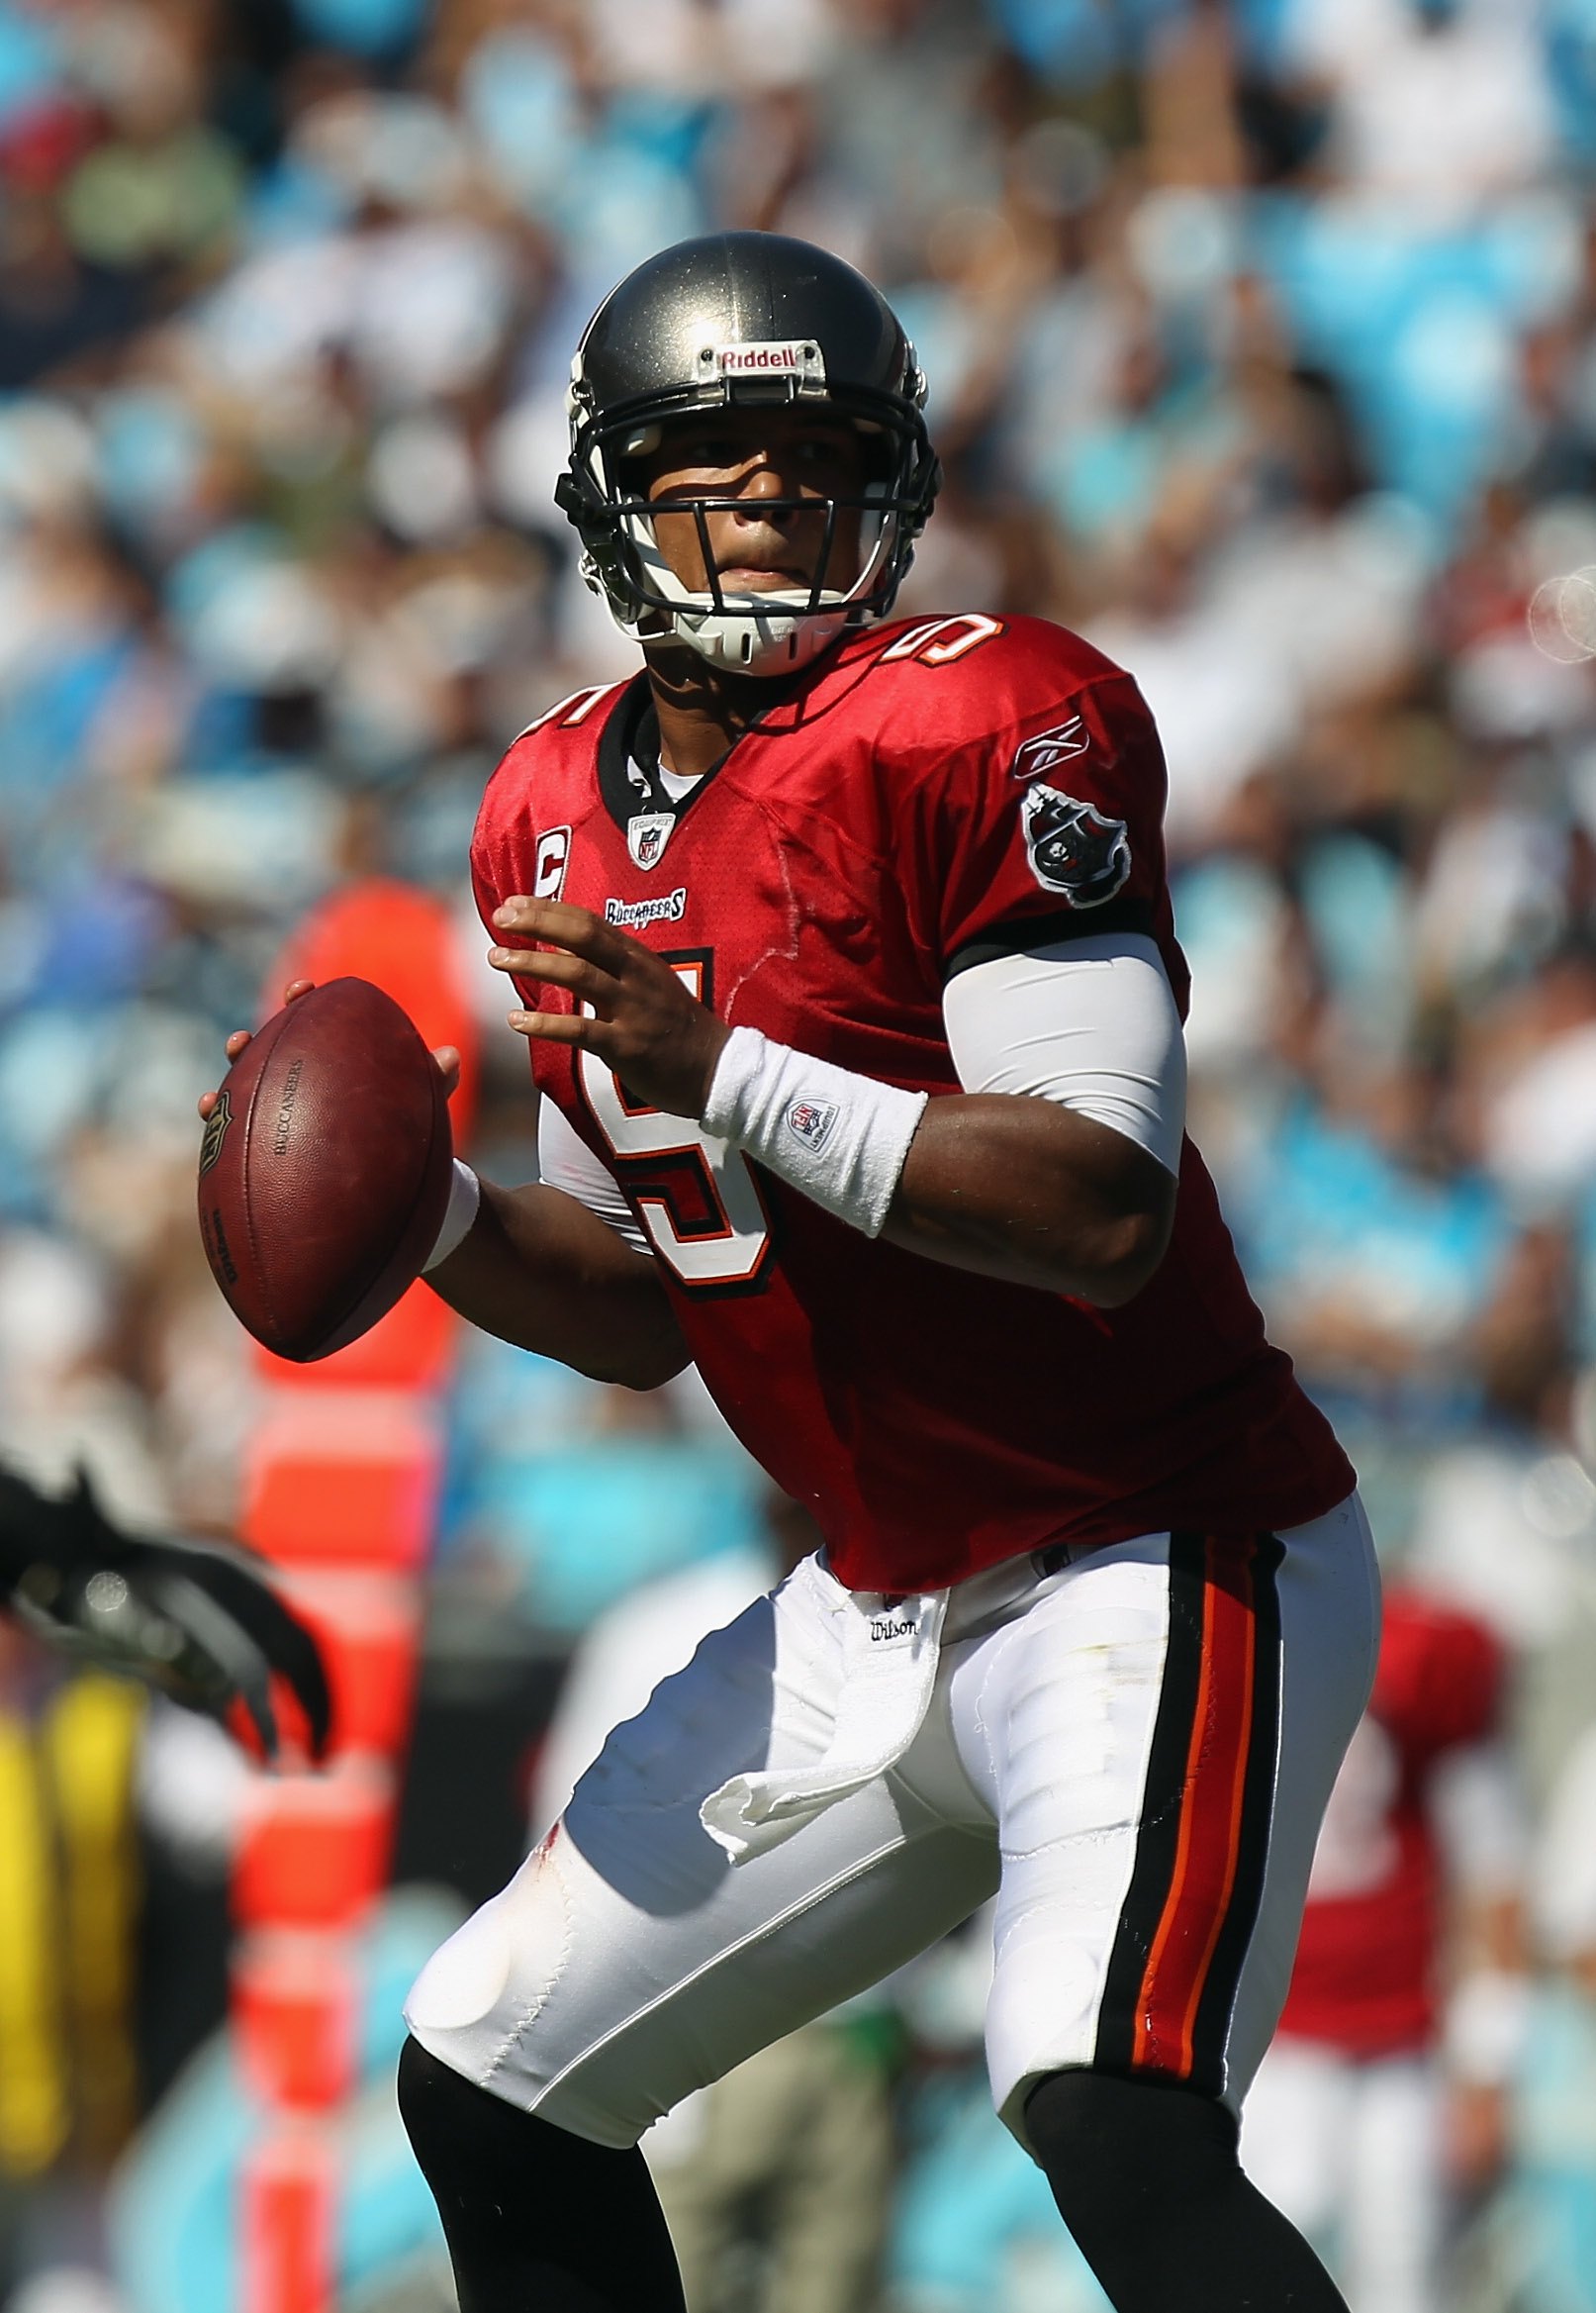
[[845, 958]]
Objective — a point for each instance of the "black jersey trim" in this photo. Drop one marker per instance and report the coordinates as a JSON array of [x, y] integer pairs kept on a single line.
[[1021, 933], [631, 735]]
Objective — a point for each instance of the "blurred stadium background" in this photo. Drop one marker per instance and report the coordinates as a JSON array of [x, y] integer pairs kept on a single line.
[[1262, 347]]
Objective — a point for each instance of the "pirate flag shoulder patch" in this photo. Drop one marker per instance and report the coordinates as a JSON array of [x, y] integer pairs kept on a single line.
[[1071, 847]]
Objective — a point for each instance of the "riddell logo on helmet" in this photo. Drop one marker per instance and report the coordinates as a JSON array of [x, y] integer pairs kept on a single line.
[[783, 357]]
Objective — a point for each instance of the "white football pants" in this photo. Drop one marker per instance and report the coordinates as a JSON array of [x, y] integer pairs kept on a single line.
[[1134, 1751]]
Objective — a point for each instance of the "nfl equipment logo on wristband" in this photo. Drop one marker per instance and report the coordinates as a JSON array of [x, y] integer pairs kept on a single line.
[[844, 1153], [810, 1121]]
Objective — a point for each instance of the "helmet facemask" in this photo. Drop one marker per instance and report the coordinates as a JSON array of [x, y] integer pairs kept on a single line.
[[768, 632]]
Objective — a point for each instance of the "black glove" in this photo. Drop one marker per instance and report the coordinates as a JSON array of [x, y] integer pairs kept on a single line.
[[198, 1623]]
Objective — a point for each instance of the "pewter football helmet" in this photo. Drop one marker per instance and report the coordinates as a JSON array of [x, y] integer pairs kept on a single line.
[[744, 318]]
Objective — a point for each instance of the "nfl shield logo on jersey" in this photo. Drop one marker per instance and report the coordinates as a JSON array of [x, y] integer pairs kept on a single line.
[[1072, 848], [647, 836]]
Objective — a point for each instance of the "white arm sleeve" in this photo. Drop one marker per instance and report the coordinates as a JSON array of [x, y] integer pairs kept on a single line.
[[565, 1161], [1091, 1024]]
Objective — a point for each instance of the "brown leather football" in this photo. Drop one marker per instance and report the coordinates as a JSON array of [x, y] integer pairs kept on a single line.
[[324, 1169]]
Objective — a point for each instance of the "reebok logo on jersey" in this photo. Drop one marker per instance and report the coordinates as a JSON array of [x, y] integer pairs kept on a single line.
[[811, 1123], [633, 915], [1063, 744], [1071, 847]]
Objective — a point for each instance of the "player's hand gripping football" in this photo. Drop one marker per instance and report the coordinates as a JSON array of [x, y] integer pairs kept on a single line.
[[446, 1057], [644, 1023], [198, 1623]]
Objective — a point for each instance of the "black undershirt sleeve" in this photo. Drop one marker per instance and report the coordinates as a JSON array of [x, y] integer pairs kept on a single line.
[[1011, 938]]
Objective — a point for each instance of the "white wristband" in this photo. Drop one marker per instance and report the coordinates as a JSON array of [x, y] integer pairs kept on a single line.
[[465, 1194], [838, 1137]]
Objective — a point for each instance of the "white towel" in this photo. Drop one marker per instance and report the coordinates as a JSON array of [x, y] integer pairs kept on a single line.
[[889, 1668]]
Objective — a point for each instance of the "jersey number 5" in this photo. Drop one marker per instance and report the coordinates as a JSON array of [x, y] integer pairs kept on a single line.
[[695, 1195]]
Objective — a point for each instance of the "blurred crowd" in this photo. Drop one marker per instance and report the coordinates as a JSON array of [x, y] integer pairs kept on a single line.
[[1263, 348]]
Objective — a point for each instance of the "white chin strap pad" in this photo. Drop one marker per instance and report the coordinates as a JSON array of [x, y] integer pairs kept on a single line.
[[760, 646], [774, 640]]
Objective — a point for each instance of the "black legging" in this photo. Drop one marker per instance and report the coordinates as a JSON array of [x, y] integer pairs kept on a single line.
[[1146, 2178], [538, 2221]]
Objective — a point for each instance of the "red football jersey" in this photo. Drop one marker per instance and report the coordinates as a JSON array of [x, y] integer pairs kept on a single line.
[[932, 794], [1364, 1980]]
